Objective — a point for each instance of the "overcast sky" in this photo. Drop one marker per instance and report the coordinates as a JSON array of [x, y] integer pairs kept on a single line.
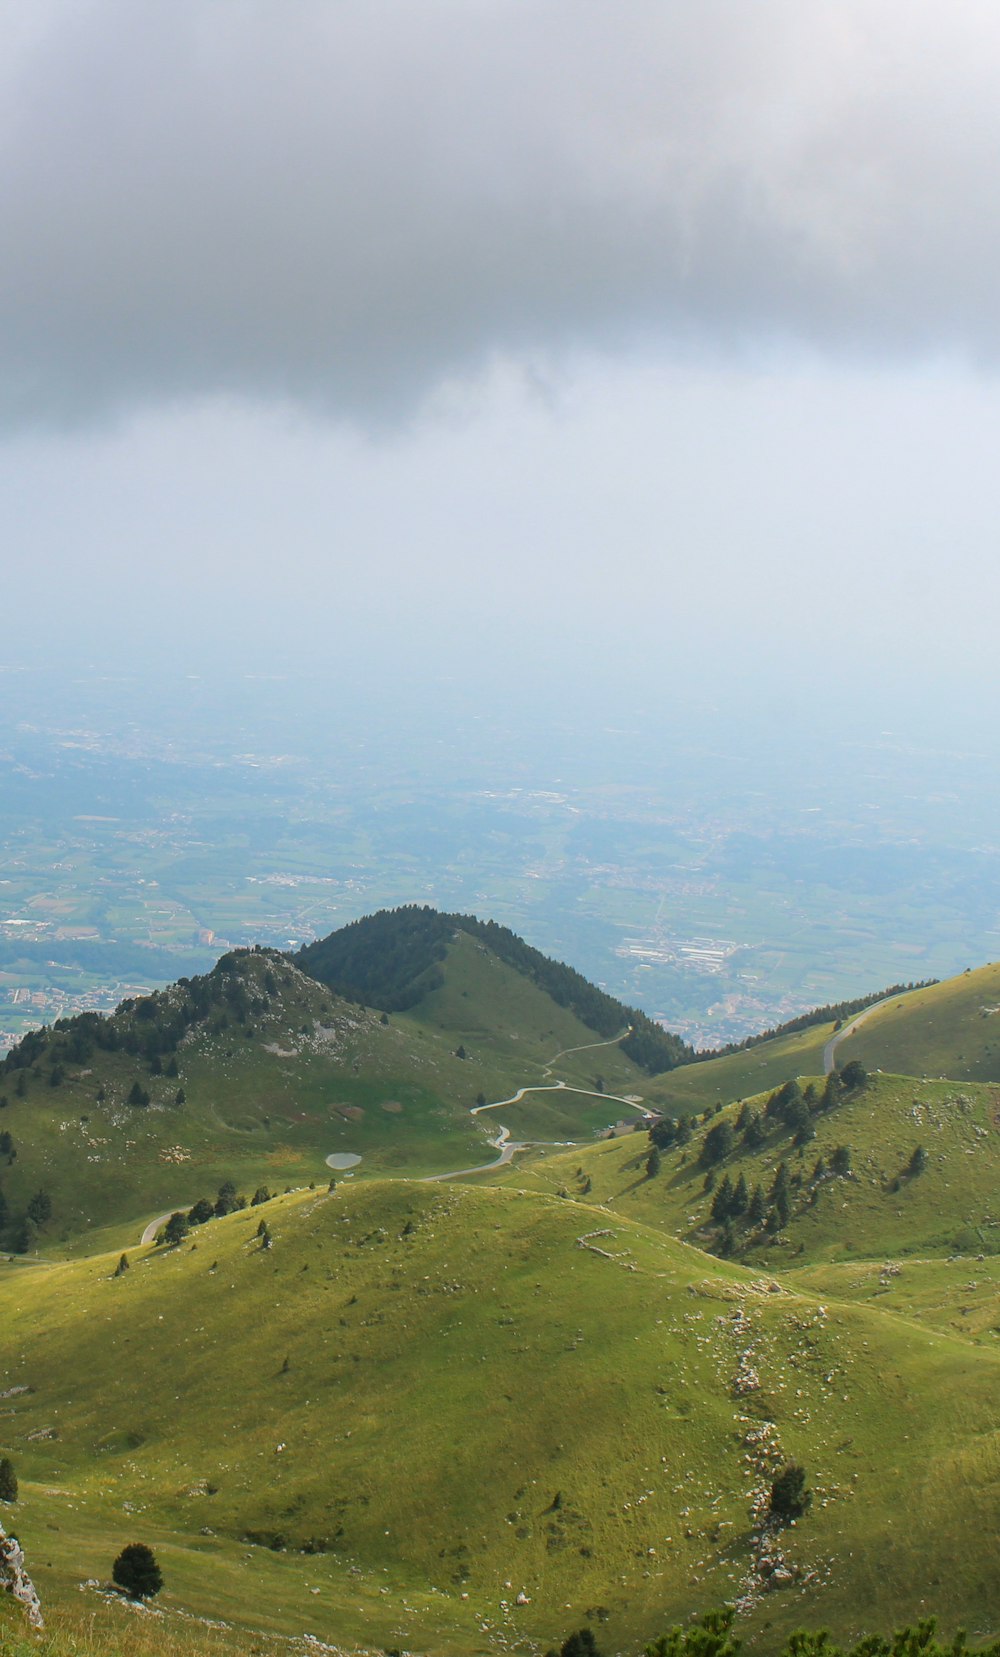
[[654, 335]]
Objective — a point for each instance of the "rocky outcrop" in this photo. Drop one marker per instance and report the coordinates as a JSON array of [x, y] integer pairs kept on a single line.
[[15, 1579]]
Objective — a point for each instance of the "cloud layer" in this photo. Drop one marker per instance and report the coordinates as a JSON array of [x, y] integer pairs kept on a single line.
[[346, 205]]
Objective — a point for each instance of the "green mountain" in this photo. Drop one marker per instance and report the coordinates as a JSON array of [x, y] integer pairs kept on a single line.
[[459, 1419], [400, 958], [949, 1029], [257, 1073], [471, 1416]]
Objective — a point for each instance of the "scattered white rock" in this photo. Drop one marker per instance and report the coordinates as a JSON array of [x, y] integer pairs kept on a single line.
[[15, 1579]]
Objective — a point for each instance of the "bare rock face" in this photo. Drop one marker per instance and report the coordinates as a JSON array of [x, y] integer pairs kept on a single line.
[[16, 1580]]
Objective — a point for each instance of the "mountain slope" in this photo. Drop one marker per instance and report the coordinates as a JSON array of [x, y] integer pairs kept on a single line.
[[397, 958], [947, 1029], [419, 1394], [256, 1073], [884, 1204], [272, 1073]]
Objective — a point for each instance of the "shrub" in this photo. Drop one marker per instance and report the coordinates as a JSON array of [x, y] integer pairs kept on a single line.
[[840, 1161], [137, 1572], [8, 1480], [580, 1644], [854, 1075], [789, 1496], [175, 1230]]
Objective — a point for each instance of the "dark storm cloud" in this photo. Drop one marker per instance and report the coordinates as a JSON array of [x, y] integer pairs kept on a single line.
[[342, 203]]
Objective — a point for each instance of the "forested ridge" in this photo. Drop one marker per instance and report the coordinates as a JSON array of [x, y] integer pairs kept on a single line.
[[834, 1012], [392, 959]]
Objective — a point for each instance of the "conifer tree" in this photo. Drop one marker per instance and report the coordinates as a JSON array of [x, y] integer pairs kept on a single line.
[[723, 1200], [137, 1571], [8, 1480]]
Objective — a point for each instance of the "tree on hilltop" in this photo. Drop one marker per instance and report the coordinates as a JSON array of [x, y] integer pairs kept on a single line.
[[227, 1201], [853, 1075]]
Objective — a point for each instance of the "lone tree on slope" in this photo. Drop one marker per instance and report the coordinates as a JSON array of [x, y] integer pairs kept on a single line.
[[789, 1496], [580, 1644], [137, 1572], [8, 1480]]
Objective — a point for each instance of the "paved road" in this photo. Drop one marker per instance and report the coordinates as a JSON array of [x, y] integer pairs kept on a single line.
[[834, 1042], [149, 1235], [587, 1046]]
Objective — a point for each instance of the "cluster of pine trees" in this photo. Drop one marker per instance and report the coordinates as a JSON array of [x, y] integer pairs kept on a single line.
[[149, 1027], [742, 1213]]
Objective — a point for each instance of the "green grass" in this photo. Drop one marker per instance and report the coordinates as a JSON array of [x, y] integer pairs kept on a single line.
[[268, 1100], [952, 1207], [693, 1088], [98, 1629], [950, 1029], [960, 1297], [474, 1404]]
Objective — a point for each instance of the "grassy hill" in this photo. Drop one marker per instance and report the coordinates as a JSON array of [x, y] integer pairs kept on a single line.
[[879, 1208], [461, 1419], [949, 1029], [273, 1072], [257, 1072], [469, 1417], [398, 958], [959, 1297], [694, 1088]]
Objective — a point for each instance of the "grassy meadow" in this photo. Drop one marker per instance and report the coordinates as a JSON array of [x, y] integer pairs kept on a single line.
[[949, 1029], [424, 1401], [876, 1211]]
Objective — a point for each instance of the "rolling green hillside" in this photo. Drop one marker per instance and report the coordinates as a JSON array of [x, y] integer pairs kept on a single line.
[[693, 1088], [274, 1073], [879, 1207], [949, 1029], [456, 1419], [257, 1072], [960, 1297]]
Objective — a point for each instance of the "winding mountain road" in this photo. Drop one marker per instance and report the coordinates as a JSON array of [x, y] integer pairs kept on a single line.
[[507, 1147], [834, 1042], [149, 1235]]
